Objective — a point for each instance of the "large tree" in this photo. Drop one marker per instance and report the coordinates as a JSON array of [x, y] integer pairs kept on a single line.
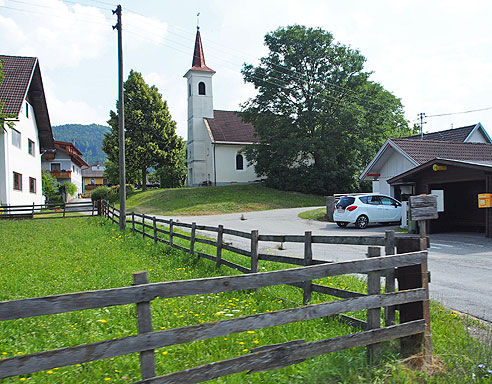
[[317, 116], [150, 132]]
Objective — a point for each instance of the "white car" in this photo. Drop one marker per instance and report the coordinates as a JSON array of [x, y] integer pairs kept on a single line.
[[364, 209]]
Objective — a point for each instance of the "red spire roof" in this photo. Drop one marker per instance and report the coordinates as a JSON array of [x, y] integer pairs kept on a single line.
[[198, 56]]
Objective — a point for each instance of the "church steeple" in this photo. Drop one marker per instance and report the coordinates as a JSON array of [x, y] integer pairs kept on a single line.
[[198, 63]]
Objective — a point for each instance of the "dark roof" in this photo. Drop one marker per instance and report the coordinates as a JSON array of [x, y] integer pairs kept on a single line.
[[22, 79], [69, 149], [89, 172], [228, 126], [422, 151], [455, 134], [198, 62]]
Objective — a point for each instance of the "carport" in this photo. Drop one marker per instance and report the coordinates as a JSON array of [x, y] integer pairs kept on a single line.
[[461, 182]]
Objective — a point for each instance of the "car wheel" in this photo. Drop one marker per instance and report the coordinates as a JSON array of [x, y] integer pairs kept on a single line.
[[362, 222], [342, 224]]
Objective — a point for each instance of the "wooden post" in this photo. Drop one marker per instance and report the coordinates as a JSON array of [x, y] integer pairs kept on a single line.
[[143, 225], [254, 251], [192, 238], [171, 229], [373, 315], [389, 249], [144, 318], [411, 277], [133, 221], [220, 236], [155, 230], [32, 210], [330, 205], [308, 258], [93, 206], [64, 208]]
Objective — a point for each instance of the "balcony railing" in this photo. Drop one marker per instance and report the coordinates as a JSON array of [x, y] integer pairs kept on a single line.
[[62, 174]]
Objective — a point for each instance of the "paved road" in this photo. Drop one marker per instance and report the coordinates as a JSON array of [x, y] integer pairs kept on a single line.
[[460, 263]]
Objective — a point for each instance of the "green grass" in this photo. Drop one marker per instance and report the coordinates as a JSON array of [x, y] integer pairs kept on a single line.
[[218, 200], [60, 256], [318, 214]]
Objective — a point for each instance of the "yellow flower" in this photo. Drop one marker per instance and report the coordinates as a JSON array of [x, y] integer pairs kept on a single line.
[[49, 372], [116, 370], [165, 353], [4, 353], [245, 350], [241, 342], [22, 379], [78, 365], [103, 321], [107, 379], [250, 332], [255, 341]]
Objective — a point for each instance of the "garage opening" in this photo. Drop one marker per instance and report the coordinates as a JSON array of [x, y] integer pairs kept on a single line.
[[461, 212]]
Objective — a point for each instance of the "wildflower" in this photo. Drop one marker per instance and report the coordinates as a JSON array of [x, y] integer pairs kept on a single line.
[[103, 321], [241, 342], [245, 350], [489, 371], [78, 365], [4, 353], [116, 370], [481, 365], [107, 379], [250, 332], [256, 341], [49, 372], [22, 379]]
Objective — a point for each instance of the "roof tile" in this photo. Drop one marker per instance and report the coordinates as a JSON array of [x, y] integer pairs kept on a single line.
[[228, 126]]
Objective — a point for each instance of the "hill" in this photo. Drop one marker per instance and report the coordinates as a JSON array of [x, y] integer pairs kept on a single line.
[[218, 200], [88, 139]]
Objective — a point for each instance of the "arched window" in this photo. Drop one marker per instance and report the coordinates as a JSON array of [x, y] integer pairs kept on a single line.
[[201, 88], [239, 162], [189, 89]]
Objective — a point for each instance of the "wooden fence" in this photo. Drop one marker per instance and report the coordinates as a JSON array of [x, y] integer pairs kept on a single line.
[[412, 326], [48, 211]]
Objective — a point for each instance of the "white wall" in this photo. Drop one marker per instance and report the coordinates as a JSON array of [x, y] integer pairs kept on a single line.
[[225, 160], [20, 161], [395, 165], [477, 137], [66, 164]]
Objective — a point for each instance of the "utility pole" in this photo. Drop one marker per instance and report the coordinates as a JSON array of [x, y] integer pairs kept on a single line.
[[121, 121], [421, 115]]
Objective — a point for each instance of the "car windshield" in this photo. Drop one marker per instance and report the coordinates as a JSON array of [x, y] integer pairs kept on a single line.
[[345, 201]]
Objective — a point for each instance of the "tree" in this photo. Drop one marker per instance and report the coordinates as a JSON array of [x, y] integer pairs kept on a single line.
[[150, 132], [317, 117], [174, 175], [50, 187]]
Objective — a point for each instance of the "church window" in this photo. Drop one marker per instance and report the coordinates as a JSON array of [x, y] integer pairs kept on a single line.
[[201, 88], [189, 89], [239, 162]]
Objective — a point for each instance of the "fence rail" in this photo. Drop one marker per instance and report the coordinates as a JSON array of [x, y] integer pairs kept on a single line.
[[48, 211], [413, 326]]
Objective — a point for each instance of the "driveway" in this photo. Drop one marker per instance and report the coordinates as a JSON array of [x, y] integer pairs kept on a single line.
[[460, 263]]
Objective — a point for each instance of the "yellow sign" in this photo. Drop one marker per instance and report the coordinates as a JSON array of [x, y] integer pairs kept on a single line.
[[437, 167], [485, 200]]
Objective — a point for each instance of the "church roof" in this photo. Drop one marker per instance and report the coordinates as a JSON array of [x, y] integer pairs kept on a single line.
[[198, 63], [228, 126]]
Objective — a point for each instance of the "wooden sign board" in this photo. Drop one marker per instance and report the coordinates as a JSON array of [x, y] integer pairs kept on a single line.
[[423, 207]]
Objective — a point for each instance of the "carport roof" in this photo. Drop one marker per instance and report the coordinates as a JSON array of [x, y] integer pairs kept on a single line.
[[479, 164]]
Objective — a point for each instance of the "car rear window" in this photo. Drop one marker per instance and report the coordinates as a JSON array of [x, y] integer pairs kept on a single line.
[[345, 201]]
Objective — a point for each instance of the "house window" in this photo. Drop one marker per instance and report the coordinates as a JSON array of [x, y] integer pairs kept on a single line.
[[16, 138], [17, 181], [201, 88], [93, 181], [239, 162], [32, 185], [55, 166], [27, 110], [31, 147]]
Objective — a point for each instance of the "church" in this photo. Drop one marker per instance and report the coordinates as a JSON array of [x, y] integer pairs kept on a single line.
[[215, 137]]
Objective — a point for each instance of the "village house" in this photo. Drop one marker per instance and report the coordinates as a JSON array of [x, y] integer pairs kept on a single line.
[[215, 137], [92, 177], [65, 163], [26, 133]]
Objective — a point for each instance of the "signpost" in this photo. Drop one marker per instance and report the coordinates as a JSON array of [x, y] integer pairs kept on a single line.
[[422, 208]]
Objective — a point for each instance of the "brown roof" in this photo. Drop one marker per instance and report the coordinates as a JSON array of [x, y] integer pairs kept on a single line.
[[455, 134], [69, 149], [422, 151], [198, 63], [89, 172], [22, 79], [228, 126]]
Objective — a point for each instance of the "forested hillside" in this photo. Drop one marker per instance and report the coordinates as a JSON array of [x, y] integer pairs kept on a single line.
[[88, 139]]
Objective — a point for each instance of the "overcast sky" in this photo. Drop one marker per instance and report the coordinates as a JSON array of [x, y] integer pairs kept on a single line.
[[436, 56]]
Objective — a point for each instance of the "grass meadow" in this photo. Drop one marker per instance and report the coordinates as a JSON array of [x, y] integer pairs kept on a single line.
[[46, 257]]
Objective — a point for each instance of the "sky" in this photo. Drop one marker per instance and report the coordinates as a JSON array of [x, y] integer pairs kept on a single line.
[[435, 56]]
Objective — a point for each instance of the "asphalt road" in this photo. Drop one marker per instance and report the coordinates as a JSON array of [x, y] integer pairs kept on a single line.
[[460, 263]]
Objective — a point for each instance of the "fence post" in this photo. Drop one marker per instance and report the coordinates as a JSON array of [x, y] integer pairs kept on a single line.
[[112, 213], [33, 209], [389, 249], [154, 224], [254, 251], [308, 258], [171, 229], [220, 235], [415, 276], [143, 225], [144, 318], [373, 315], [192, 238], [64, 208], [133, 221]]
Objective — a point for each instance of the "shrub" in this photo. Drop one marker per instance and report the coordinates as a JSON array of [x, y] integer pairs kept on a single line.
[[69, 188], [129, 189]]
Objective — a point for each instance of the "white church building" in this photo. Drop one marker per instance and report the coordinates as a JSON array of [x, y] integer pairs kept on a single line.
[[215, 137]]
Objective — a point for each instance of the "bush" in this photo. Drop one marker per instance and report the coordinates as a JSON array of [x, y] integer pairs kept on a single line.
[[129, 189], [68, 187]]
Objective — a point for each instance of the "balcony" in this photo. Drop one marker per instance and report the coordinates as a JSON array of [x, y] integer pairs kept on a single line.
[[61, 174]]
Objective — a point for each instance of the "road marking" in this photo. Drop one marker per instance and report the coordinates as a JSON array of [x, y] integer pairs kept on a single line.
[[442, 245]]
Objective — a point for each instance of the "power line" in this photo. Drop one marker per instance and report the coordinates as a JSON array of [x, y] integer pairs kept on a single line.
[[459, 113]]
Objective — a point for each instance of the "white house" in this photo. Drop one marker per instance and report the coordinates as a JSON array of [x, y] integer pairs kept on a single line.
[[25, 134], [215, 138], [65, 162], [397, 156]]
